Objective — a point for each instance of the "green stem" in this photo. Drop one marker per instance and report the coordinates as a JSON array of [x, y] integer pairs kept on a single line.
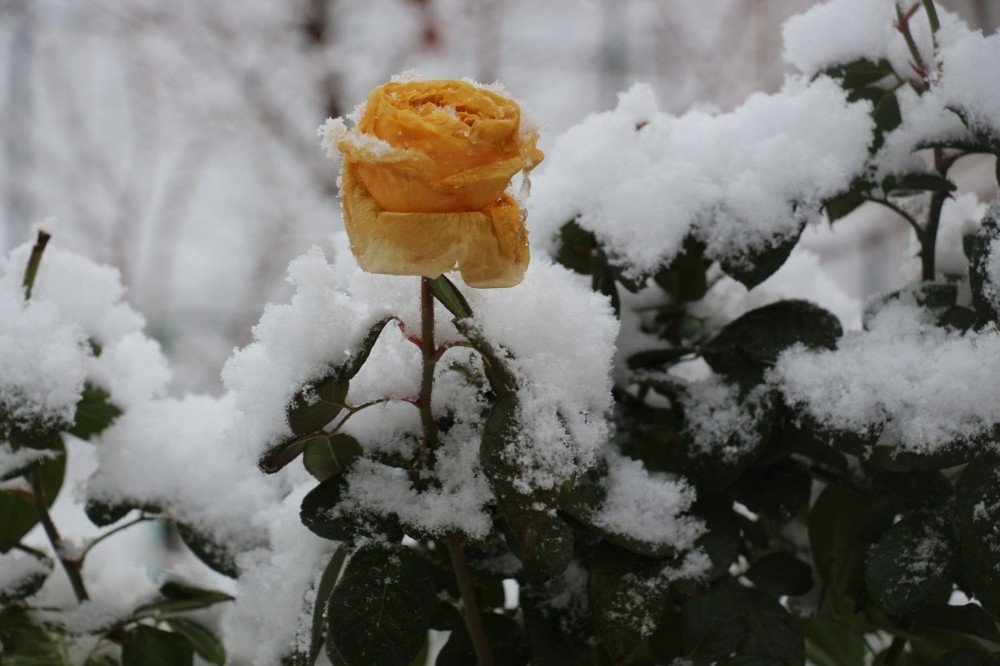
[[72, 567], [470, 610], [119, 528], [430, 354], [895, 651], [427, 350], [899, 211], [33, 261], [351, 411], [928, 242]]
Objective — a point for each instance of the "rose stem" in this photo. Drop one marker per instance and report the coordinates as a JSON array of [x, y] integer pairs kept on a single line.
[[470, 611], [456, 545]]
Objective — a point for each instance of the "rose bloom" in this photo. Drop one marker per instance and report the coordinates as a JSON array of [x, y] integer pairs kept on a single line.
[[426, 169]]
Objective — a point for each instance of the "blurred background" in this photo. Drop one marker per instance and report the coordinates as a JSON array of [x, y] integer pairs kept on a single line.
[[176, 140]]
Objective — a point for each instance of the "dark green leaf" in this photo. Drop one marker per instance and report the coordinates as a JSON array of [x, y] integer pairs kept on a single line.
[[771, 631], [781, 574], [321, 606], [101, 659], [321, 400], [843, 205], [961, 658], [753, 266], [627, 594], [831, 642], [277, 457], [842, 524], [201, 639], [586, 499], [506, 639], [721, 540], [916, 183], [603, 280], [24, 643], [28, 582], [216, 556], [94, 412], [180, 597], [655, 358], [747, 347], [321, 514], [450, 297], [978, 248], [776, 491], [381, 609], [17, 511], [146, 646], [861, 73], [968, 619], [913, 490], [911, 565], [363, 349], [540, 539], [977, 514], [104, 513], [576, 248], [557, 639], [330, 455], [315, 406], [713, 625], [685, 279], [716, 456], [885, 111]]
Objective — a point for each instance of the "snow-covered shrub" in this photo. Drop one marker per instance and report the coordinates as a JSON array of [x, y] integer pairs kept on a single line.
[[677, 438], [75, 365], [852, 476]]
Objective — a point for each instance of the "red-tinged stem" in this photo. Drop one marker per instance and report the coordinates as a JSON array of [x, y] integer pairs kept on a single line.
[[456, 545]]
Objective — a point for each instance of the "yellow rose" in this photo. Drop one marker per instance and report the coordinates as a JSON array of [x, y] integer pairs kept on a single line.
[[424, 183]]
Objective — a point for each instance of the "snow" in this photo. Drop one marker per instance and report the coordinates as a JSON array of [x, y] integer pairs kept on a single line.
[[47, 344], [801, 276], [718, 420], [294, 344], [991, 283], [563, 383], [926, 120], [641, 180], [965, 84], [927, 384], [17, 569], [839, 32], [169, 453], [276, 583], [12, 460], [648, 506]]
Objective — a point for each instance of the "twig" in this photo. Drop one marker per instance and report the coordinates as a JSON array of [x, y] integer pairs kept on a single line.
[[902, 213], [71, 566], [141, 519], [470, 610], [351, 411], [33, 261]]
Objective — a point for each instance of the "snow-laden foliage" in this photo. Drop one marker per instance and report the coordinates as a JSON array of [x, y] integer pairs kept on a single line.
[[643, 180], [679, 439]]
